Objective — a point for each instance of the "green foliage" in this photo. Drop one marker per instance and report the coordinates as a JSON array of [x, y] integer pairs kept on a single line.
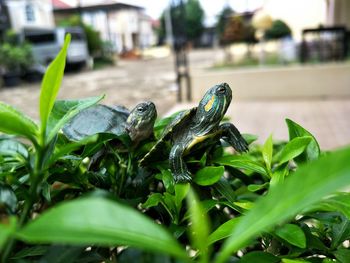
[[64, 225], [194, 19], [186, 21], [15, 122], [235, 28], [278, 30], [89, 201], [15, 57]]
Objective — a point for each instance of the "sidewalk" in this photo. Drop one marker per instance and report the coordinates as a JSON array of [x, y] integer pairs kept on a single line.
[[328, 120]]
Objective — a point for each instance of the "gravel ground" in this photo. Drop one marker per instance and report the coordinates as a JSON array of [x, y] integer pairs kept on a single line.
[[128, 83]]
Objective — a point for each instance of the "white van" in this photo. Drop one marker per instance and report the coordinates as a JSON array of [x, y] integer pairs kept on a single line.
[[46, 43], [78, 51]]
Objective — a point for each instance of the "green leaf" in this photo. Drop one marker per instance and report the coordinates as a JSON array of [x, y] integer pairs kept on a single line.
[[207, 205], [64, 110], [249, 138], [224, 230], [8, 198], [181, 191], [225, 189], [15, 122], [286, 260], [153, 200], [51, 84], [340, 231], [209, 175], [168, 180], [169, 204], [242, 162], [70, 147], [278, 175], [313, 150], [267, 152], [339, 202], [30, 252], [259, 257], [343, 255], [257, 187], [294, 148], [13, 148], [246, 205], [199, 228], [7, 230], [308, 185], [62, 254], [101, 222], [293, 234]]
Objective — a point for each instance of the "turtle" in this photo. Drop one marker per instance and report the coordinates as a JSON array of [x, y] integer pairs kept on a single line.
[[200, 127], [137, 124]]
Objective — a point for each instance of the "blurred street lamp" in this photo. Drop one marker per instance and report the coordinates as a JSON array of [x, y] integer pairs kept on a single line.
[[262, 22]]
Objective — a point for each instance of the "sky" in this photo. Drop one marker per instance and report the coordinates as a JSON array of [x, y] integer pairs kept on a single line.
[[154, 8]]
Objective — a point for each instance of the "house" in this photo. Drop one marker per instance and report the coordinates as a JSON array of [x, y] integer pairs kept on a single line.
[[125, 26], [28, 14]]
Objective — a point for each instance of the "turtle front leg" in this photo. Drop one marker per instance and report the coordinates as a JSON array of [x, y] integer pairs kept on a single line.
[[178, 166], [231, 135]]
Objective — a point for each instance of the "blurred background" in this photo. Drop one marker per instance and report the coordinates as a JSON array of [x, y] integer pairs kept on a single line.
[[282, 59]]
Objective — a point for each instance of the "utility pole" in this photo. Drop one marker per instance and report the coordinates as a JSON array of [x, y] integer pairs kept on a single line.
[[169, 27]]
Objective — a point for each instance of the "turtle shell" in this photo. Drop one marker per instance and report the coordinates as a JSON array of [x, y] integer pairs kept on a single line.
[[180, 120], [97, 119]]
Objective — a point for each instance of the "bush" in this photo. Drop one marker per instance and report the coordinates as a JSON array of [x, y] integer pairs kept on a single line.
[[15, 56], [276, 203], [278, 30]]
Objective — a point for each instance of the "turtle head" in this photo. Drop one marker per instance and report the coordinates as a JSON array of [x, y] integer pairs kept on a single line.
[[140, 122], [214, 104]]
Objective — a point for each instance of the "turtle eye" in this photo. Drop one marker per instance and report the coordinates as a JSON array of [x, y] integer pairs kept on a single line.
[[221, 90], [140, 109]]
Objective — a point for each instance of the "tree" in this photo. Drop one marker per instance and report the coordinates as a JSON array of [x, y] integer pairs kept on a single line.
[[278, 30], [234, 29], [187, 20], [222, 19], [194, 19]]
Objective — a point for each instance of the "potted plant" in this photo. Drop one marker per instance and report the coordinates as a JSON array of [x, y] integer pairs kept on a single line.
[[13, 60]]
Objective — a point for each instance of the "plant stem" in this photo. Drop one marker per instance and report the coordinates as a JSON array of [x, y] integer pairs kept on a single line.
[[36, 179]]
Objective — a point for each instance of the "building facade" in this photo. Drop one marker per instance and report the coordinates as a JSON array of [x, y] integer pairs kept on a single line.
[[29, 14], [126, 27]]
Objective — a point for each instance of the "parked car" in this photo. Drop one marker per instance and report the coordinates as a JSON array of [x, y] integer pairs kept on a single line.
[[46, 43]]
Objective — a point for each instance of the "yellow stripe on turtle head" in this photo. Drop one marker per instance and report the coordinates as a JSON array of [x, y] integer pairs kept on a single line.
[[210, 103]]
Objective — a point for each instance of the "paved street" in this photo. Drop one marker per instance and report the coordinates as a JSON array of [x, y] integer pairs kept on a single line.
[[134, 81], [126, 84]]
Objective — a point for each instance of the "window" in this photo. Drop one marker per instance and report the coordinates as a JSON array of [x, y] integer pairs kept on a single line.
[[40, 38], [30, 15]]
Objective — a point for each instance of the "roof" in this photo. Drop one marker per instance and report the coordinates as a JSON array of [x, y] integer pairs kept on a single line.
[[60, 4], [104, 5]]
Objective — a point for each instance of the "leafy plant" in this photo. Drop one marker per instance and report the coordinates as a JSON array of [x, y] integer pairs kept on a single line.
[[15, 57], [87, 201], [279, 29]]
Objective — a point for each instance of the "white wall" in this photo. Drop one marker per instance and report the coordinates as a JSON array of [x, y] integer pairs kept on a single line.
[[42, 10], [122, 25], [298, 14]]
